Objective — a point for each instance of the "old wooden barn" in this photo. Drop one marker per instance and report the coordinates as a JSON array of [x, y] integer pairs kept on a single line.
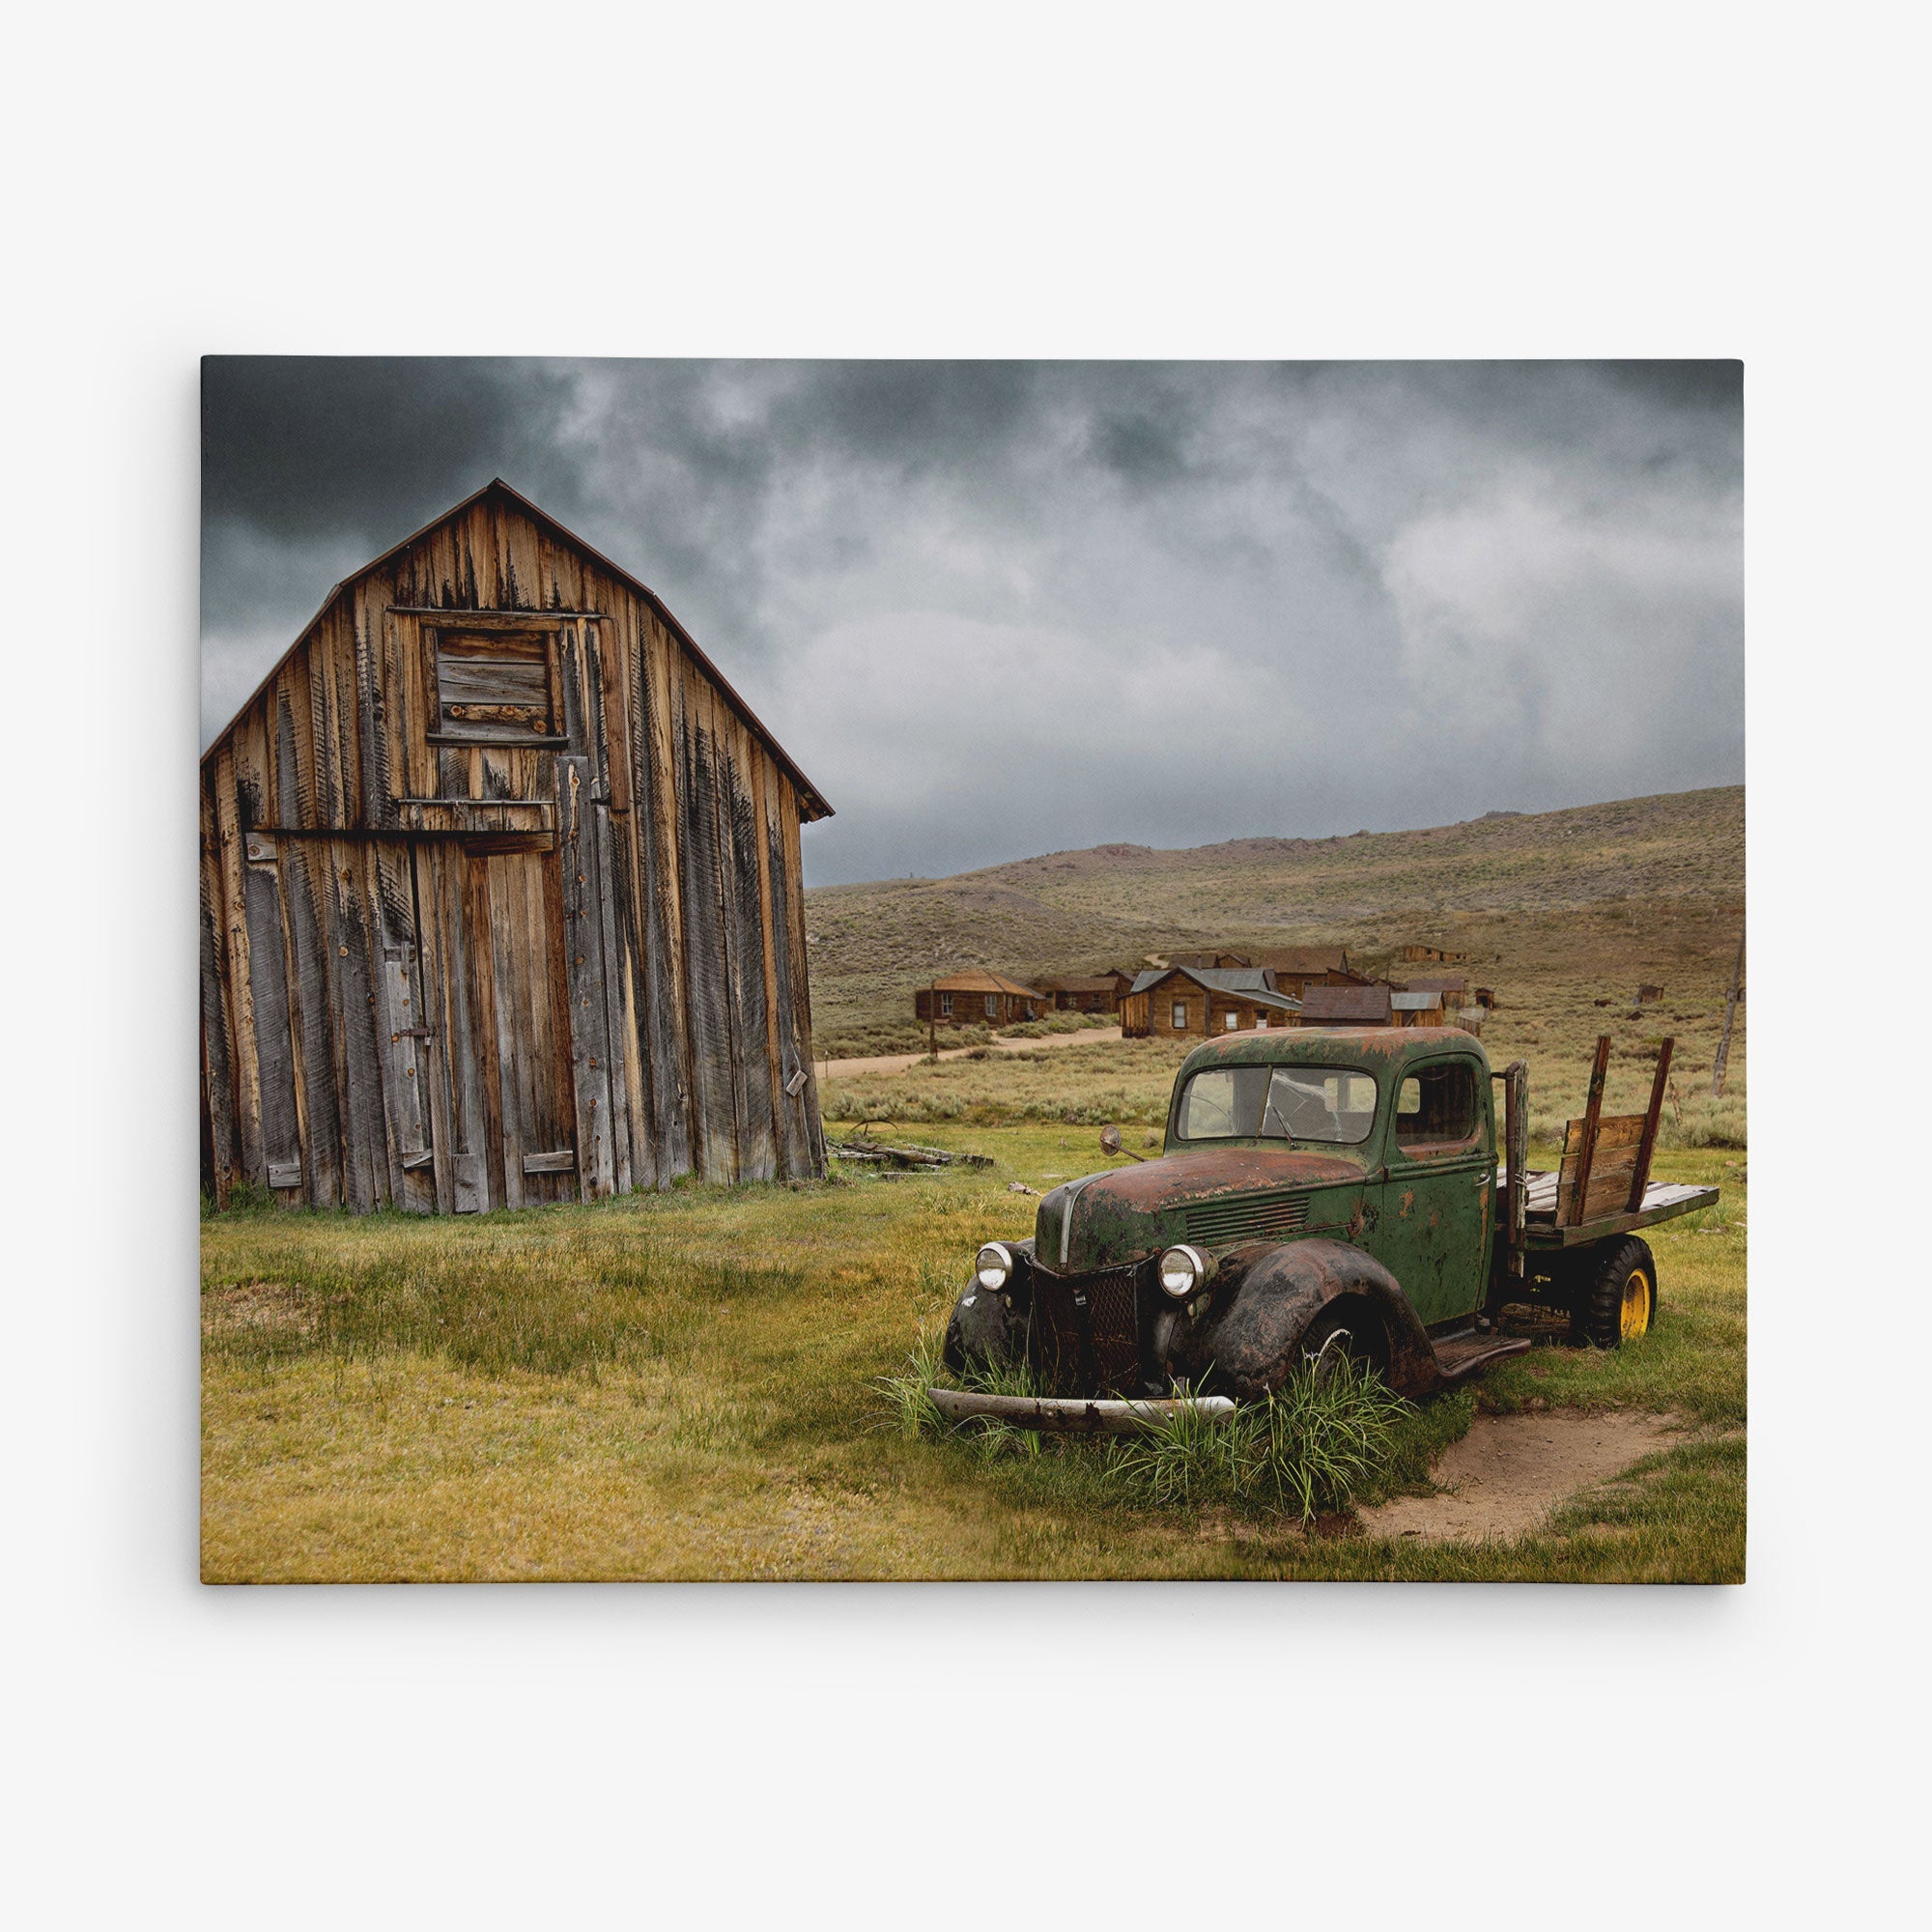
[[501, 895]]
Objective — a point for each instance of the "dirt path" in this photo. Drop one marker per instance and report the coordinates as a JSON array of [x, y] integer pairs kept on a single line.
[[1510, 1471], [898, 1063]]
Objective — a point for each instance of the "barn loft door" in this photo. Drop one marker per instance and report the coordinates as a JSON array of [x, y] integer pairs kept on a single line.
[[494, 981]]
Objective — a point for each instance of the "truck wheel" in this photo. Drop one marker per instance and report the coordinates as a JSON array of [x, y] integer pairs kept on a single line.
[[1617, 1301], [1344, 1329]]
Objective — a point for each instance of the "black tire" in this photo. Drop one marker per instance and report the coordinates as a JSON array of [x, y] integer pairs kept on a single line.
[[1607, 1312], [1350, 1327]]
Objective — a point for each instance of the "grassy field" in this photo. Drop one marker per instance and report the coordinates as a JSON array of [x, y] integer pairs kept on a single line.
[[686, 1385]]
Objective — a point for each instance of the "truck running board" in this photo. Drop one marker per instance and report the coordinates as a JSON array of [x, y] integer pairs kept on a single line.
[[1460, 1356]]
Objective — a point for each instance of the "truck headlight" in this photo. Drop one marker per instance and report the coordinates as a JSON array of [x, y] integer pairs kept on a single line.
[[1185, 1271], [994, 1267]]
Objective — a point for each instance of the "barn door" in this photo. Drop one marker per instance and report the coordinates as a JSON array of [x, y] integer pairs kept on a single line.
[[494, 976]]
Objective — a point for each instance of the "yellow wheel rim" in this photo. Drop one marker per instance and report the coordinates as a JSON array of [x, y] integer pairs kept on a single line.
[[1635, 1313]]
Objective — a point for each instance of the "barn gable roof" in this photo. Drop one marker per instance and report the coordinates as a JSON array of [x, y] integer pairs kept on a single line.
[[811, 799], [1347, 1005]]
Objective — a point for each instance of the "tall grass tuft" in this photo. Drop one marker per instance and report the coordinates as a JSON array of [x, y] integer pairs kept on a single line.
[[1311, 1447], [908, 1401]]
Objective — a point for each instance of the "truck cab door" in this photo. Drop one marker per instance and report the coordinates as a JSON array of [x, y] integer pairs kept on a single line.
[[1438, 1197]]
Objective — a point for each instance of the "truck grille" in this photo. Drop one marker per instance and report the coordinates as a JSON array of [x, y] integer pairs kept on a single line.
[[1248, 1217], [1086, 1332]]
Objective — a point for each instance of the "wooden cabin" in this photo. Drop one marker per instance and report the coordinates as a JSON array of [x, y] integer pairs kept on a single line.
[[1296, 968], [501, 895], [1346, 1006], [1211, 962], [1093, 993], [1202, 1001], [1415, 1007], [1419, 953], [976, 997]]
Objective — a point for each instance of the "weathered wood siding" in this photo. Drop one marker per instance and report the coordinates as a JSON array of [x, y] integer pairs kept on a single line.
[[559, 964]]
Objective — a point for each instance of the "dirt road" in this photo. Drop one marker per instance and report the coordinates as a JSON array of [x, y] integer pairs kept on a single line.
[[1504, 1477], [898, 1063]]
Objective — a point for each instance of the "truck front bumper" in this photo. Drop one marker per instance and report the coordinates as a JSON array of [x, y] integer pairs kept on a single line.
[[1076, 1412]]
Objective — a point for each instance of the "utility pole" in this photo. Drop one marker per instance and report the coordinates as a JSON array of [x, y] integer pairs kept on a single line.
[[932, 1010], [1730, 1013]]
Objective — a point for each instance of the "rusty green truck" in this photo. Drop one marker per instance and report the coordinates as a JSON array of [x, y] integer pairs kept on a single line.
[[1318, 1192]]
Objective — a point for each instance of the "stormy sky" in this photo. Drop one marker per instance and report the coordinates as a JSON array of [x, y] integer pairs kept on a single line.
[[1001, 609]]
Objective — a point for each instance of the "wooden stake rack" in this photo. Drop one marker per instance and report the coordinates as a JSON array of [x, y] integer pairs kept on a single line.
[[1606, 1157]]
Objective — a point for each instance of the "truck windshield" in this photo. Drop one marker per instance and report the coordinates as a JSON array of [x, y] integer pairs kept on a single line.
[[1330, 1104]]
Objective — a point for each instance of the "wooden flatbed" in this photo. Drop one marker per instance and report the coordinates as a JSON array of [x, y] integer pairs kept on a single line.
[[1663, 1200]]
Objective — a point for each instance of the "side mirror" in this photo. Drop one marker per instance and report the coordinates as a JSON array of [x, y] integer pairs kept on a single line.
[[1110, 1143]]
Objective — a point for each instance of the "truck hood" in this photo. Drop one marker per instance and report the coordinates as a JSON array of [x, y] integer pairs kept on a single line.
[[1106, 1219]]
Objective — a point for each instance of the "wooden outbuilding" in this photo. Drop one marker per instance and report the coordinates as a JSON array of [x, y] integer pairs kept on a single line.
[[976, 997], [1296, 968], [1346, 1006], [1417, 952], [1415, 1007], [501, 895], [1202, 1001], [1092, 993]]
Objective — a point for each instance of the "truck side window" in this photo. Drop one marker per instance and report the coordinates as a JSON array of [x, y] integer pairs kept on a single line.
[[1437, 1107]]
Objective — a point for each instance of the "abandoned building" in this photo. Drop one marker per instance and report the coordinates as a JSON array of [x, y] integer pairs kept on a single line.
[[976, 997], [1418, 953], [1203, 1000], [501, 899], [1346, 1006], [1416, 1006], [1296, 968], [1092, 993]]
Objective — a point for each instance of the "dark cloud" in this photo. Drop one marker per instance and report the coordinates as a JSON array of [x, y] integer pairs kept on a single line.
[[1001, 607]]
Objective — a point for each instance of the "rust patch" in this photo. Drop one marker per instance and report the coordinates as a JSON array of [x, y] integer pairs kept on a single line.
[[1407, 1201]]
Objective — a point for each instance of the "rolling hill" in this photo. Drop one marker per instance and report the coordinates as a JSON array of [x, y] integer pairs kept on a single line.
[[1600, 894]]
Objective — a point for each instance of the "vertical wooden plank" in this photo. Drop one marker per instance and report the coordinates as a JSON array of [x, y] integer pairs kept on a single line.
[[663, 837], [562, 1102], [801, 987], [715, 1133], [239, 994], [355, 968], [757, 1156], [619, 1035], [1640, 1176], [794, 1054], [482, 974], [275, 1028], [1593, 1110], [523, 565], [318, 1088], [585, 968], [222, 1167], [777, 1072]]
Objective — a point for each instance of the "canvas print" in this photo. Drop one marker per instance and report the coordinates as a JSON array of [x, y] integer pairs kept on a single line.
[[919, 971]]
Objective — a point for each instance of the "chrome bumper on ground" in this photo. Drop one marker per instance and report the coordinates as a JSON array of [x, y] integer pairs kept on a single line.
[[1075, 1412]]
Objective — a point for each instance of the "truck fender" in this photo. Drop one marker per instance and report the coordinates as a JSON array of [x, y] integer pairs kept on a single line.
[[988, 1328], [1248, 1339]]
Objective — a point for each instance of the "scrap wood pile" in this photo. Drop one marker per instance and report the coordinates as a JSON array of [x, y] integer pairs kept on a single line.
[[870, 1152]]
